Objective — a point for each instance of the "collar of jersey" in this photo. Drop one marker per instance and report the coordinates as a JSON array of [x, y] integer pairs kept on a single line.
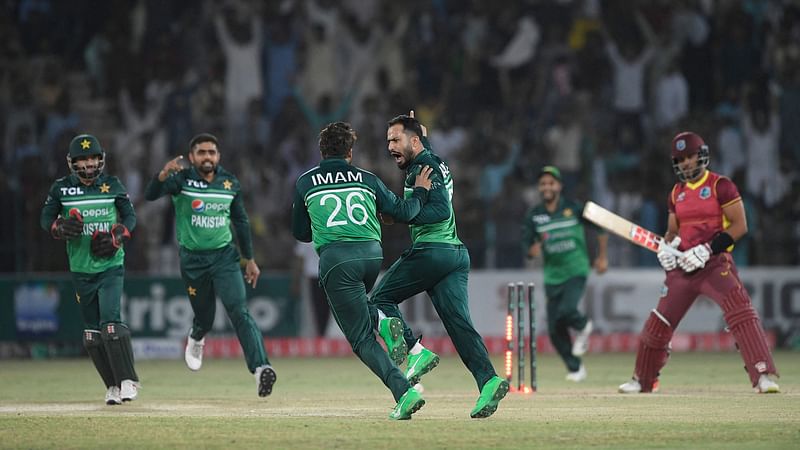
[[332, 161], [424, 151], [697, 184]]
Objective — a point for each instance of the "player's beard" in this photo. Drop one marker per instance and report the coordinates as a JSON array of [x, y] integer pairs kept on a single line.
[[206, 167], [408, 156]]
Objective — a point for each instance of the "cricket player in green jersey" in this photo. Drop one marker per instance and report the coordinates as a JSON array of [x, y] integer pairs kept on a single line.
[[91, 211], [555, 229], [208, 201], [437, 263], [336, 206]]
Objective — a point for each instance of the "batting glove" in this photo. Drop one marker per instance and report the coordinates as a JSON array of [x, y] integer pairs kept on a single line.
[[667, 259], [695, 258], [68, 228]]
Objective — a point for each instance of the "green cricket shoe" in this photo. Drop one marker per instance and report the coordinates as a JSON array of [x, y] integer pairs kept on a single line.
[[391, 331], [408, 404], [492, 392], [420, 364]]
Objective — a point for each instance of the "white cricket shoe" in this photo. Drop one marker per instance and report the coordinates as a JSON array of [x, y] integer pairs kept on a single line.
[[128, 390], [194, 352], [581, 344], [112, 396], [767, 386], [577, 376], [634, 387]]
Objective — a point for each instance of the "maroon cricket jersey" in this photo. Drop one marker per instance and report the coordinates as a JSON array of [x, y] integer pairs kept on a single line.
[[698, 208]]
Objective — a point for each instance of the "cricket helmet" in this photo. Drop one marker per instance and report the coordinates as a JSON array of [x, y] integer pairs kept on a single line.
[[82, 146], [686, 144]]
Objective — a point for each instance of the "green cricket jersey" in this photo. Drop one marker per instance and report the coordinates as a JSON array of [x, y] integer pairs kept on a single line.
[[437, 220], [563, 240], [205, 211], [337, 202], [101, 204]]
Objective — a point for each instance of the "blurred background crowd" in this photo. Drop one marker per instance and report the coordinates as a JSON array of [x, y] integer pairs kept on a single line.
[[596, 87]]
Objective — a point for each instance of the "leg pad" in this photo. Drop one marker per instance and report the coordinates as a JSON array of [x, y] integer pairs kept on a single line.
[[653, 350], [746, 327], [93, 344]]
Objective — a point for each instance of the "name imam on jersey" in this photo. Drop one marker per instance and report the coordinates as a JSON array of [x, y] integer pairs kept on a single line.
[[336, 177]]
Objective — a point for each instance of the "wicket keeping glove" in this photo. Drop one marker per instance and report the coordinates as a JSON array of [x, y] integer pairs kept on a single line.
[[105, 245], [68, 228], [695, 258], [667, 259]]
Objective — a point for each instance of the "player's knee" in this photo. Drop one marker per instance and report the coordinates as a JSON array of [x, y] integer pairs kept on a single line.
[[657, 331], [737, 308], [92, 339]]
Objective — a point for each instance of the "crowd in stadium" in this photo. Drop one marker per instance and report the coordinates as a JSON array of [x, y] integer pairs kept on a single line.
[[595, 87]]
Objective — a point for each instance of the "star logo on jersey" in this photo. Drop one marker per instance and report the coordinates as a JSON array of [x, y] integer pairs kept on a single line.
[[85, 144], [705, 192], [227, 184], [567, 212], [104, 188], [192, 291]]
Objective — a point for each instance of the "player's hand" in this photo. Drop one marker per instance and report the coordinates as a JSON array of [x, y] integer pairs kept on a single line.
[[423, 179], [251, 272], [172, 166], [601, 265], [68, 228], [424, 129], [667, 259], [535, 250], [695, 258]]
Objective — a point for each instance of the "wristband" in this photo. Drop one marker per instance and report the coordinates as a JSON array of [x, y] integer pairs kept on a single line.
[[721, 242]]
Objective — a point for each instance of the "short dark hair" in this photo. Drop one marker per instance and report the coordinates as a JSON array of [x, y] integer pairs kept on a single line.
[[336, 139], [203, 137], [410, 124]]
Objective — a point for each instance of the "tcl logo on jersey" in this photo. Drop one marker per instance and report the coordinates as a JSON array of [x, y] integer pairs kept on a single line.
[[71, 190], [198, 205], [541, 218], [197, 184]]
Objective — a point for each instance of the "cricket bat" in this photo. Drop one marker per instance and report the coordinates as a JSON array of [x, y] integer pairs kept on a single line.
[[625, 228]]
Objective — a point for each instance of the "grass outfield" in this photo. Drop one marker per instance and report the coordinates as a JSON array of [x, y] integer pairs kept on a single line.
[[706, 402]]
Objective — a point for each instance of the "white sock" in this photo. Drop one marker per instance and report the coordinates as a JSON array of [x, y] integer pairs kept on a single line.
[[416, 349], [381, 316]]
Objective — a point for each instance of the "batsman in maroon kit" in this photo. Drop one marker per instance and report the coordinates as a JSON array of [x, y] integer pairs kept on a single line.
[[706, 217]]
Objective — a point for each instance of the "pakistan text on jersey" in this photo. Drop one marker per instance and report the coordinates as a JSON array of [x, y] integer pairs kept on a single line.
[[560, 246], [209, 221], [90, 228], [336, 177]]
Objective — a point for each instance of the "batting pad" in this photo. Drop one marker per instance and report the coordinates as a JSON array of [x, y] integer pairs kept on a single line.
[[746, 327], [653, 351]]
